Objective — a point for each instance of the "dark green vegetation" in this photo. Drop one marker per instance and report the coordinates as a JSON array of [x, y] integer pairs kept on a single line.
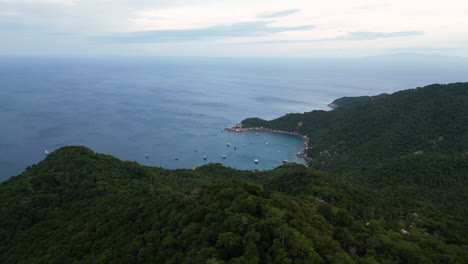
[[431, 119], [346, 101], [366, 205]]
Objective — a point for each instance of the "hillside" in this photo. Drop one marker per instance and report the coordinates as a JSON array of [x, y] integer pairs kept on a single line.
[[432, 119], [410, 145], [346, 101], [77, 206], [372, 201]]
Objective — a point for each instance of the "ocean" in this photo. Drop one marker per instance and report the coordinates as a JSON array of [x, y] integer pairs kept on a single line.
[[175, 109]]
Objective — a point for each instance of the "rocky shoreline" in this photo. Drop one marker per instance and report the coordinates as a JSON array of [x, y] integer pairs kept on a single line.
[[303, 154]]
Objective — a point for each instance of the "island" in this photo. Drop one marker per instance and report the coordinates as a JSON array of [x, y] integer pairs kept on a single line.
[[386, 183]]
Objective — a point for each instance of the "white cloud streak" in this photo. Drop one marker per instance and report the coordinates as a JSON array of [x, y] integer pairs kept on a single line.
[[281, 13], [395, 24]]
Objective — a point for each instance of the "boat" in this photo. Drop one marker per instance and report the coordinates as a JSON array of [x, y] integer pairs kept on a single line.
[[46, 152], [205, 157], [176, 158], [223, 156], [146, 155], [284, 161], [256, 161], [235, 148], [243, 145], [228, 144], [285, 145]]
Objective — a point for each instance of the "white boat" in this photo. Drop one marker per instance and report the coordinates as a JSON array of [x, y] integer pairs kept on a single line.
[[146, 155], [205, 157], [223, 156], [228, 144], [284, 161], [46, 152], [256, 161]]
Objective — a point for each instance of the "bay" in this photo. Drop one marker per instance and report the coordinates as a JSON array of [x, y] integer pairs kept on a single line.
[[170, 107]]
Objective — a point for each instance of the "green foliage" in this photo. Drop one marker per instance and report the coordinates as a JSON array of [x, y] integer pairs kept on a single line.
[[376, 201], [433, 119], [347, 101], [408, 149], [80, 207]]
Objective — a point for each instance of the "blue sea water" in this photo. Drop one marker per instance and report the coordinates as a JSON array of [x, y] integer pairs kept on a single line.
[[178, 107]]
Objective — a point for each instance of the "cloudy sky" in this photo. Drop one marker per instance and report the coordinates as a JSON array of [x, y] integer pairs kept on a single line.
[[241, 28]]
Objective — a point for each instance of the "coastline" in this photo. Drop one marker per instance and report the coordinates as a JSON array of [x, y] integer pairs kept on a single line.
[[303, 154]]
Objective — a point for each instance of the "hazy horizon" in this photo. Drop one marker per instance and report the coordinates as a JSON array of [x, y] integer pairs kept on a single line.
[[259, 28]]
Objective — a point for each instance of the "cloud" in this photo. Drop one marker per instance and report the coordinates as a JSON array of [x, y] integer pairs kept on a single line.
[[371, 7], [7, 13], [240, 29], [367, 35], [357, 35], [282, 13]]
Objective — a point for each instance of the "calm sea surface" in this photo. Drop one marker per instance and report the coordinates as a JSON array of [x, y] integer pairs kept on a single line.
[[178, 107]]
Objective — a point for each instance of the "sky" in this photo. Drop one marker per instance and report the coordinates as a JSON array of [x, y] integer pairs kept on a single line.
[[241, 28]]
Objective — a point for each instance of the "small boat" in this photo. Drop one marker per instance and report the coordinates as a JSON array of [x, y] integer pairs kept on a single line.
[[256, 161], [266, 143], [146, 156], [223, 156], [196, 150], [286, 146], [284, 161], [243, 145], [46, 152], [228, 144], [176, 158], [235, 148], [205, 157]]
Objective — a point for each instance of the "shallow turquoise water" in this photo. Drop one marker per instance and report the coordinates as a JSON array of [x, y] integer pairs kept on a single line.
[[269, 148]]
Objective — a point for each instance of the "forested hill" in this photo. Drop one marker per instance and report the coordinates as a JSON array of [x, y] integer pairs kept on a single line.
[[432, 119], [78, 206], [393, 189], [346, 101]]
